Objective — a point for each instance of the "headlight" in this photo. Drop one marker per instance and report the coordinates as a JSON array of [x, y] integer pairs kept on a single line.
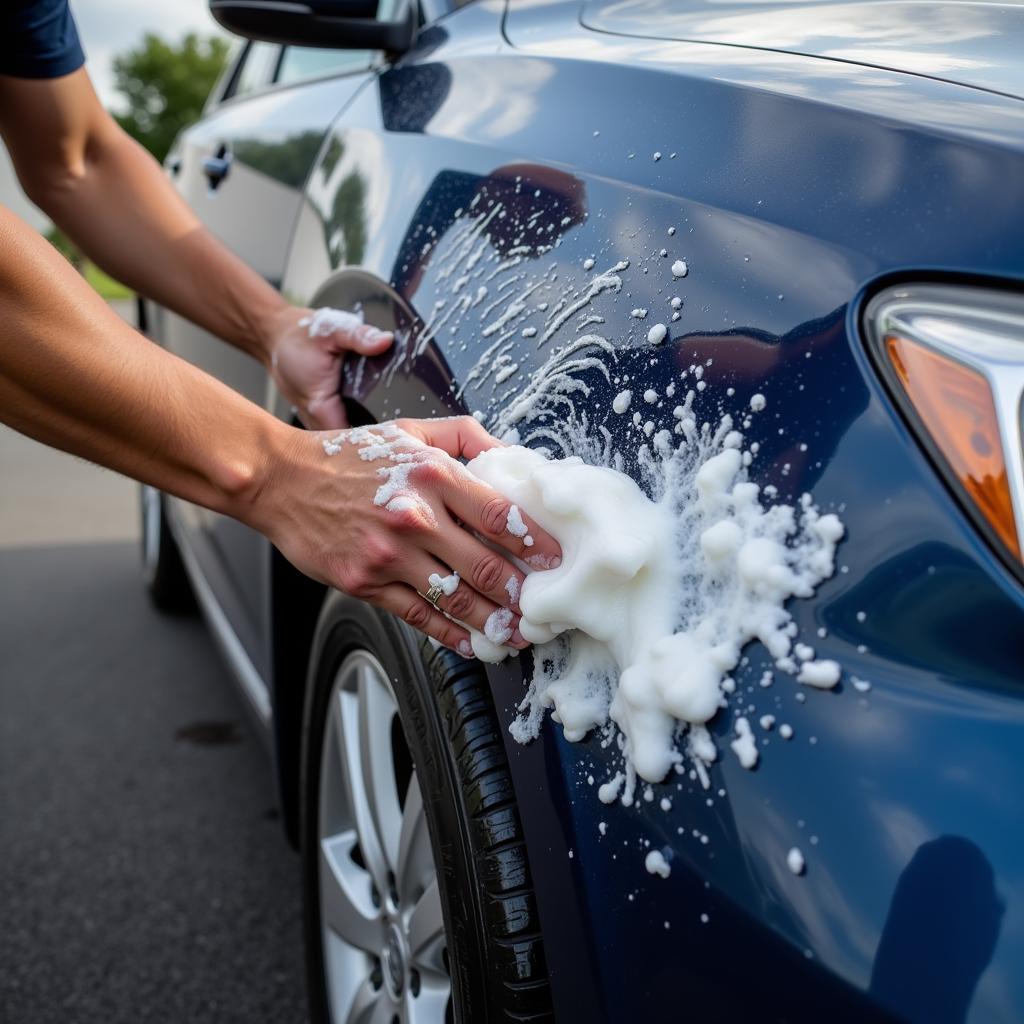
[[953, 358]]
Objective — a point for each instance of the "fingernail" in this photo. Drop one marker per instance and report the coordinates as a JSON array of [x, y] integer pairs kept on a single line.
[[465, 648], [516, 639], [554, 561]]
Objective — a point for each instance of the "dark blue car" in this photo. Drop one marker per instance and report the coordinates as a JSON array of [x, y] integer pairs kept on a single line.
[[844, 184]]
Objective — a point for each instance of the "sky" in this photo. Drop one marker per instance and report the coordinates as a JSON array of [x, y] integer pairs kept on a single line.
[[109, 27]]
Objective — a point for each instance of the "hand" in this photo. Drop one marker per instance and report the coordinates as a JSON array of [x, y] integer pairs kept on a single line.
[[376, 511], [306, 349]]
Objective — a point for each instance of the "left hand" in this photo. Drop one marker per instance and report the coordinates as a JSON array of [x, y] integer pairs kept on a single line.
[[305, 352]]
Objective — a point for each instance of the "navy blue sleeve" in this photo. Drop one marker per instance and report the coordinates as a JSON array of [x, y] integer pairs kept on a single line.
[[38, 39]]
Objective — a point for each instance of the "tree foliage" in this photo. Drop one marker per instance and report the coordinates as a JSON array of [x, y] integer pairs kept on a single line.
[[165, 86]]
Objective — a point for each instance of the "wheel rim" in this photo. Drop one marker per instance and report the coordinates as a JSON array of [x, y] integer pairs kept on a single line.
[[151, 516], [382, 927]]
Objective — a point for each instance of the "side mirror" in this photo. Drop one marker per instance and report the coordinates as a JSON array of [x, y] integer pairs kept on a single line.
[[327, 24]]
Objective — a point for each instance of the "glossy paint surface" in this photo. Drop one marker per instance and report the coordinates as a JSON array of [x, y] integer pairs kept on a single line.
[[796, 186], [975, 44], [270, 140]]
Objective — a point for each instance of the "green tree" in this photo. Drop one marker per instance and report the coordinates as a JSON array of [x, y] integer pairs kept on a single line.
[[165, 85]]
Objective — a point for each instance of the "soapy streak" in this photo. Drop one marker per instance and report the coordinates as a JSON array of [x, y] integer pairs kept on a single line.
[[606, 281], [551, 385]]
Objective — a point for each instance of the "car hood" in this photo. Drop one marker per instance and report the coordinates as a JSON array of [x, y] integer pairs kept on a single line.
[[973, 44]]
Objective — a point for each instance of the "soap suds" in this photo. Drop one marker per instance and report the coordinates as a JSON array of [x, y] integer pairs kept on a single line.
[[514, 522], [489, 645], [795, 860], [448, 584], [680, 269], [744, 746], [325, 321], [657, 865], [486, 650], [387, 442], [655, 600], [656, 335], [498, 627], [621, 401], [822, 674]]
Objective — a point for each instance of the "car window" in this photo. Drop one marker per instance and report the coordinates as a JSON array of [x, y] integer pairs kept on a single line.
[[301, 62], [259, 62]]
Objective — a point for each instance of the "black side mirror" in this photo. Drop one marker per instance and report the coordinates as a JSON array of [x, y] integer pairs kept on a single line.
[[327, 24]]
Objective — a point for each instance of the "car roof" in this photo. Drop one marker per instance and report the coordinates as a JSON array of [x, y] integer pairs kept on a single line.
[[976, 44]]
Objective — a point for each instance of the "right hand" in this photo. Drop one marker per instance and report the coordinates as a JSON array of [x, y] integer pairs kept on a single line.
[[319, 510]]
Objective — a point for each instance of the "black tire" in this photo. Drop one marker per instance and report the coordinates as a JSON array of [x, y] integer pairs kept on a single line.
[[495, 952], [163, 571]]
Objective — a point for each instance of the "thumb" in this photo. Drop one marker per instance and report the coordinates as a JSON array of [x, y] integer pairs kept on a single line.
[[368, 340], [459, 436], [326, 413]]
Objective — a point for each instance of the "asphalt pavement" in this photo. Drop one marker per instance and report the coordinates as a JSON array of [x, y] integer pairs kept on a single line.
[[144, 875]]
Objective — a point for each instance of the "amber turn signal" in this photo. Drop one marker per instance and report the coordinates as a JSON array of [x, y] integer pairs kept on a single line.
[[955, 406]]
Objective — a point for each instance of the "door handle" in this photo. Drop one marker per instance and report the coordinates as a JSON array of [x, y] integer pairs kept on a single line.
[[216, 167]]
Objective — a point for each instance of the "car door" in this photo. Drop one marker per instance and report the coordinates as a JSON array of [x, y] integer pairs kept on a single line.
[[522, 180], [241, 169]]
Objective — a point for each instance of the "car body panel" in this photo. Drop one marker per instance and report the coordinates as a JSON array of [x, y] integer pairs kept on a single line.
[[271, 139], [797, 187]]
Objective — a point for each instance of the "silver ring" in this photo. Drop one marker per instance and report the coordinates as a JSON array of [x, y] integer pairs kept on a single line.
[[434, 594]]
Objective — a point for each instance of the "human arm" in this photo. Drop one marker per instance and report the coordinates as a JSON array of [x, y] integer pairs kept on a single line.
[[113, 200], [75, 376]]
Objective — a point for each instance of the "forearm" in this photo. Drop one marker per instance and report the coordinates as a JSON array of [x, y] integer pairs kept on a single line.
[[149, 239], [75, 376], [114, 201]]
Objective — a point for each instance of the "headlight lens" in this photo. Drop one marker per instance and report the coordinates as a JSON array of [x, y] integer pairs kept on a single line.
[[953, 358]]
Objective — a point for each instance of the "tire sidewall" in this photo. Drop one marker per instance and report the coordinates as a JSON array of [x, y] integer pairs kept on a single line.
[[345, 626], [163, 571]]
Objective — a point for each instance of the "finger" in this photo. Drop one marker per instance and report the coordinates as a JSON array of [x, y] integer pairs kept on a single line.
[[501, 521], [362, 339], [464, 603], [367, 340], [459, 436], [404, 602], [482, 570]]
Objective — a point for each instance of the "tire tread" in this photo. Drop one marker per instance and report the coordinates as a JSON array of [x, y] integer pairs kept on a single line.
[[511, 921]]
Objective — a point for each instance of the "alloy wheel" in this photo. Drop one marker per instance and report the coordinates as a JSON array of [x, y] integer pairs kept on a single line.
[[382, 927]]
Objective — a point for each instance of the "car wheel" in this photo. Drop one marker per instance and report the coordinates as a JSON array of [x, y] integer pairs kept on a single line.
[[403, 758], [162, 569]]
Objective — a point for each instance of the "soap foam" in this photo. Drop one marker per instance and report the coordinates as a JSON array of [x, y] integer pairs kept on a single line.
[[447, 584], [325, 321], [656, 597], [656, 864]]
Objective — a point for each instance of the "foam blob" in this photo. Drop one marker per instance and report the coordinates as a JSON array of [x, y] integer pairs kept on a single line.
[[654, 600]]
